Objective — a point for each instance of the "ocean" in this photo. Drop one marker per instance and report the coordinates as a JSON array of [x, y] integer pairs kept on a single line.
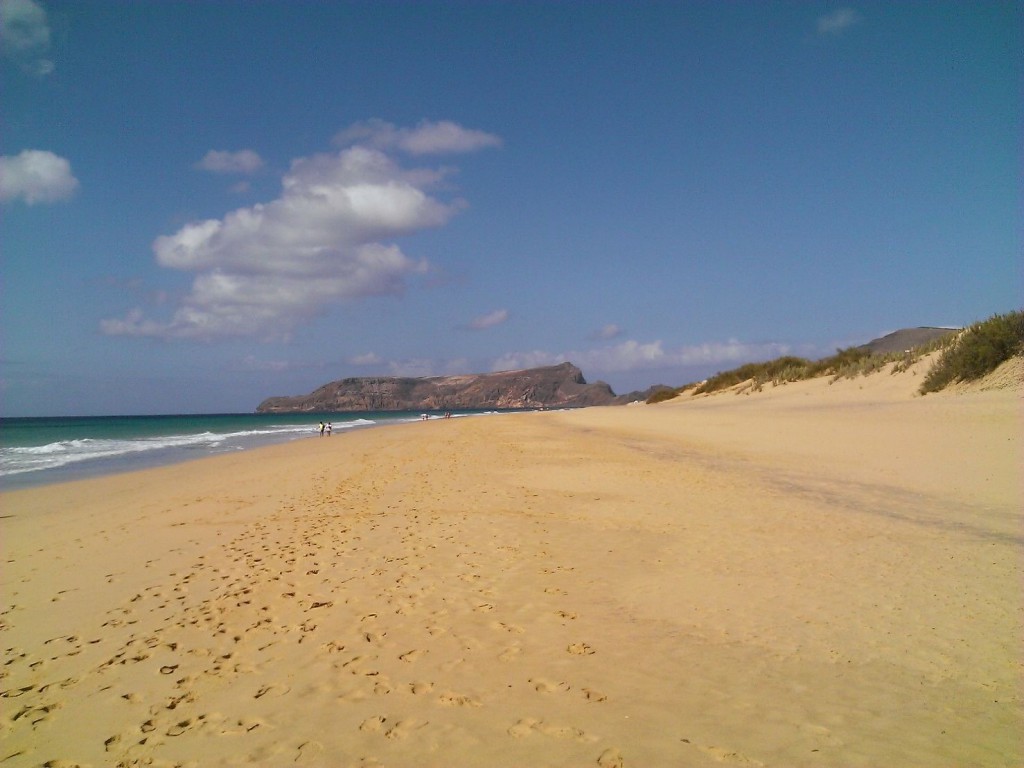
[[40, 451]]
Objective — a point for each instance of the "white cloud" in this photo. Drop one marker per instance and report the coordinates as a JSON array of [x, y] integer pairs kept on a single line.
[[222, 161], [631, 355], [265, 269], [36, 176], [497, 317], [514, 361], [425, 367], [627, 356], [25, 36], [253, 363], [838, 21], [369, 358], [425, 139], [416, 368], [134, 323], [607, 332]]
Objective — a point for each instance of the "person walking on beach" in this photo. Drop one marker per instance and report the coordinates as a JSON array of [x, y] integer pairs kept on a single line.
[[330, 428], [322, 427]]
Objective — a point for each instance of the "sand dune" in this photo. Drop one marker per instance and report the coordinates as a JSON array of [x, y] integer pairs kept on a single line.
[[815, 575]]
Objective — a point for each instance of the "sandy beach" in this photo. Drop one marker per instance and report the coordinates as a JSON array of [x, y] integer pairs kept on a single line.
[[813, 575]]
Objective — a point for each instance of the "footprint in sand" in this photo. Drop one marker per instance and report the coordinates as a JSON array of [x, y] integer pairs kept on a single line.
[[15, 692], [581, 649], [271, 690], [35, 715], [523, 728], [309, 751], [402, 729], [399, 730], [241, 726], [564, 732], [450, 699], [175, 701], [723, 755], [511, 628], [411, 656], [542, 685], [373, 724], [185, 725], [353, 664], [510, 654], [611, 758], [529, 725]]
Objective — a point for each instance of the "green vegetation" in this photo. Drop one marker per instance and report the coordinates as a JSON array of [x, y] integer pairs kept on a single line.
[[844, 364], [776, 371], [662, 395], [977, 351], [966, 356], [667, 394]]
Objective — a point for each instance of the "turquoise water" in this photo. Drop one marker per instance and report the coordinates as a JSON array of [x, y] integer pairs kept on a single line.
[[37, 451]]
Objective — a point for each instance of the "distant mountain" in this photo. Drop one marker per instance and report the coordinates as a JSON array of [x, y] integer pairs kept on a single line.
[[560, 386], [904, 339]]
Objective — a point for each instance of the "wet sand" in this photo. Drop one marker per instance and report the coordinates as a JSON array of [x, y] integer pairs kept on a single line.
[[815, 575]]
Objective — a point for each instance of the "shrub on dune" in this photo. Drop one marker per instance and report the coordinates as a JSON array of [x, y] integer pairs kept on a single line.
[[966, 356], [979, 350]]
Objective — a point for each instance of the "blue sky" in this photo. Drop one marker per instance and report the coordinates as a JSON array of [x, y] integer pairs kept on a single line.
[[205, 204]]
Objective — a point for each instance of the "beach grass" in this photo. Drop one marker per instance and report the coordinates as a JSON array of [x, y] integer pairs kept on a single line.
[[977, 351], [966, 356]]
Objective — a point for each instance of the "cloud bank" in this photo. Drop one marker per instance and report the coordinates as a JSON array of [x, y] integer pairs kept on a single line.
[[631, 355], [367, 358], [838, 21], [265, 269], [606, 332], [25, 36], [425, 139], [497, 317], [221, 161], [36, 176]]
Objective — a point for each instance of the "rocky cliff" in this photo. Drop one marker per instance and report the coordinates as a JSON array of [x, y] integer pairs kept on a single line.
[[561, 386]]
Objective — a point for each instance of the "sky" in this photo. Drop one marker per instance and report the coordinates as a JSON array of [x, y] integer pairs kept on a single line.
[[204, 204]]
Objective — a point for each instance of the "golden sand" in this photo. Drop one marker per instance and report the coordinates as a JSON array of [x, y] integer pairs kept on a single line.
[[815, 575]]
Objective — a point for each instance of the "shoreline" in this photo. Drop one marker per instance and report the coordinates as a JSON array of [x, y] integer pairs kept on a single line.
[[88, 447], [810, 576]]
